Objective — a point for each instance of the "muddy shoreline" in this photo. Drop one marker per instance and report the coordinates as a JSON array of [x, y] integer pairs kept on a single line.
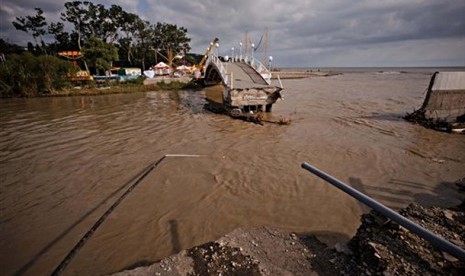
[[159, 83], [379, 247]]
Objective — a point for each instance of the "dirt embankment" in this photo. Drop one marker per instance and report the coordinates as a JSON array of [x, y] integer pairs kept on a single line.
[[379, 247]]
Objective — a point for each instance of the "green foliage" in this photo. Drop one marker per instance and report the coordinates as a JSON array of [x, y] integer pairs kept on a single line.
[[137, 81], [91, 19], [193, 58], [7, 48], [63, 40], [171, 40], [139, 43], [35, 24], [100, 54], [169, 36], [54, 72], [136, 39], [27, 75]]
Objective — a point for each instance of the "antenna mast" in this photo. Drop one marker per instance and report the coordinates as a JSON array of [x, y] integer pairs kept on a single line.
[[265, 41], [246, 44]]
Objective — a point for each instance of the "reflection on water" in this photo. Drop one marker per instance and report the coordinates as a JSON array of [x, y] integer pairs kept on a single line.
[[64, 161]]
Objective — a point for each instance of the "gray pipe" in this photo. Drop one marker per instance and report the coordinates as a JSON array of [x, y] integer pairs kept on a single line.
[[435, 240]]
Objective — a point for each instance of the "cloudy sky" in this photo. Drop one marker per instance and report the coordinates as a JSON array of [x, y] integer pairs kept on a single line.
[[304, 33]]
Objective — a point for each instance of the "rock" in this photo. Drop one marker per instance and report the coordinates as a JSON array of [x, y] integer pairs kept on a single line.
[[448, 214], [342, 248], [449, 257]]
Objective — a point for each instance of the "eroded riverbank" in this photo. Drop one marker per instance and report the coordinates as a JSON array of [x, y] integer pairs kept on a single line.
[[379, 247]]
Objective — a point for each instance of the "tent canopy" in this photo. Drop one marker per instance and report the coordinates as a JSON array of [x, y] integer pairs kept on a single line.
[[183, 67], [161, 65]]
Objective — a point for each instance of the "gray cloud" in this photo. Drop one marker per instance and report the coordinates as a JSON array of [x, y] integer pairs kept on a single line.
[[303, 33]]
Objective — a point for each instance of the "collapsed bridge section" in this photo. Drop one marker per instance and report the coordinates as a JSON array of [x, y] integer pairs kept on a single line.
[[444, 104], [247, 84]]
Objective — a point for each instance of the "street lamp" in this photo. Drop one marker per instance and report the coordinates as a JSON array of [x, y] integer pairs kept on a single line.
[[240, 53], [253, 51], [271, 60], [232, 54], [217, 45]]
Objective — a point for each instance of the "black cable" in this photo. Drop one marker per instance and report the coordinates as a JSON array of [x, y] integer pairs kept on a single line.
[[61, 267]]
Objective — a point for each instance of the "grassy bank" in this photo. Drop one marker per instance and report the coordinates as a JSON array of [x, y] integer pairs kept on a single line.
[[113, 88]]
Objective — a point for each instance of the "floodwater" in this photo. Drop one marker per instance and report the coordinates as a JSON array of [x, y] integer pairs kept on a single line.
[[65, 161]]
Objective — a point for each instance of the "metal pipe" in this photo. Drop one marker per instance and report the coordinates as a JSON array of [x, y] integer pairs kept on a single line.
[[435, 240]]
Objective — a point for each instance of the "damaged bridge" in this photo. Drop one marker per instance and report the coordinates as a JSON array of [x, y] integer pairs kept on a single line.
[[247, 83]]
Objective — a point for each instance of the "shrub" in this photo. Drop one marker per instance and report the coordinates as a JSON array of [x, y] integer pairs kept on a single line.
[[27, 75]]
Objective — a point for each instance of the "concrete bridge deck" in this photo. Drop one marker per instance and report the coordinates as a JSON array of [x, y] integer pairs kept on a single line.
[[244, 76]]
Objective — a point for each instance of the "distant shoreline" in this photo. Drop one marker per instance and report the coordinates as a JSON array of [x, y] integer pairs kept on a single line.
[[302, 74], [411, 69]]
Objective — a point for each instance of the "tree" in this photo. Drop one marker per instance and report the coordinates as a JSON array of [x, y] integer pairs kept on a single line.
[[145, 36], [100, 55], [101, 22], [35, 24], [76, 14], [7, 48], [128, 23], [136, 38], [105, 23], [171, 40], [91, 19], [63, 40]]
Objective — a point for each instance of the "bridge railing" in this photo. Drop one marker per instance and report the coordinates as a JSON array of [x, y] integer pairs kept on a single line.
[[257, 66], [227, 78], [260, 68], [213, 58]]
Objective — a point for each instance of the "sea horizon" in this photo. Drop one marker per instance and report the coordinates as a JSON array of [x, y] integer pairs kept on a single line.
[[383, 69]]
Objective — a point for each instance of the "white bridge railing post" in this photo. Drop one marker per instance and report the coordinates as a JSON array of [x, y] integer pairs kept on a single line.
[[254, 63], [213, 58]]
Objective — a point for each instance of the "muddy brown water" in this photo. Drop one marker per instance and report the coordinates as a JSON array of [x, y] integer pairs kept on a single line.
[[64, 161]]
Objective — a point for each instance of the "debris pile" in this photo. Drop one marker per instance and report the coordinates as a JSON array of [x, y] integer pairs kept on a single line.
[[419, 117], [391, 249]]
